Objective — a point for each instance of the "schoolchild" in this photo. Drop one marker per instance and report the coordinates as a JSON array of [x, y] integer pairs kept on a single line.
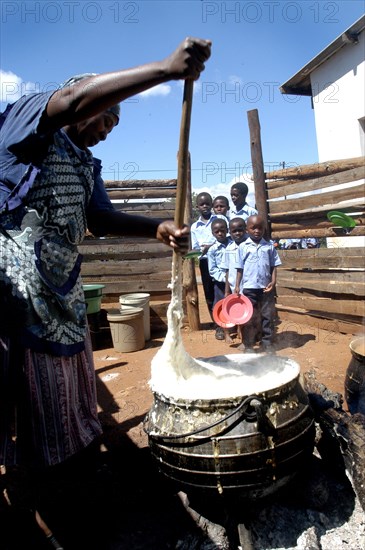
[[237, 230], [241, 209], [202, 239], [221, 206], [218, 274], [257, 260]]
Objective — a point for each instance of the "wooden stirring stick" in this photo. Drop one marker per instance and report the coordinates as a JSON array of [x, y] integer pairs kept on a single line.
[[182, 167]]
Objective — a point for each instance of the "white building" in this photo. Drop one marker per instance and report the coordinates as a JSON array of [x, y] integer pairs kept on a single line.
[[335, 80]]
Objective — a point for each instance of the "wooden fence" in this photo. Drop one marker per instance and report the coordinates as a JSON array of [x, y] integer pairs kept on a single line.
[[129, 265], [326, 283]]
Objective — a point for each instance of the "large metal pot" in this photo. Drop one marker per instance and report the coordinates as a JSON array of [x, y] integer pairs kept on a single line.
[[355, 377], [250, 444]]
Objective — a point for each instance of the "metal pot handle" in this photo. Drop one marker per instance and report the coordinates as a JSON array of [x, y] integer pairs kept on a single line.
[[263, 423], [251, 416]]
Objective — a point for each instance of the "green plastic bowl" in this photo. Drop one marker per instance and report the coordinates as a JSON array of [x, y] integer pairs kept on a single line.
[[341, 219], [93, 295]]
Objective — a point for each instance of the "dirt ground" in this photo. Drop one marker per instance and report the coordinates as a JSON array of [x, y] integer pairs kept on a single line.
[[115, 499], [123, 378]]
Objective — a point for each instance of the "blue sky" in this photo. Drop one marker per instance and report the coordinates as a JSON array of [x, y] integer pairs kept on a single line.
[[257, 45]]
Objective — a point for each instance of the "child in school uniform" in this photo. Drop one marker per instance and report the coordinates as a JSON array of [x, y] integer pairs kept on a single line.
[[217, 273], [237, 230], [256, 263], [202, 239], [221, 206], [241, 209]]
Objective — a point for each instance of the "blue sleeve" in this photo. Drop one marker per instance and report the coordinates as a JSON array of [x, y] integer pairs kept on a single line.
[[194, 241], [214, 270], [99, 200], [19, 134], [274, 257]]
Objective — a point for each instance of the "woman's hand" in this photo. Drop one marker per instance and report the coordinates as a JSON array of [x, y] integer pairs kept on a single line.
[[187, 61], [169, 234]]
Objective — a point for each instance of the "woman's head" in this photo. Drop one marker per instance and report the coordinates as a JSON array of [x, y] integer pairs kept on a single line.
[[91, 131]]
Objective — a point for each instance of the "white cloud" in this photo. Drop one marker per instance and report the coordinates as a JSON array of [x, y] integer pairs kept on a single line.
[[159, 90], [196, 89], [12, 87]]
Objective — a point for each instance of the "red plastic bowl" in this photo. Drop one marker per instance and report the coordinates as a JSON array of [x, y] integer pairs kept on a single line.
[[237, 309], [219, 317]]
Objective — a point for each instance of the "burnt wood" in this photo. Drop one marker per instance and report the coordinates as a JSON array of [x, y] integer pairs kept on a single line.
[[343, 434]]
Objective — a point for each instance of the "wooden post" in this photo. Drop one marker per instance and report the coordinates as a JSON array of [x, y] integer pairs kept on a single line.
[[189, 277], [258, 168]]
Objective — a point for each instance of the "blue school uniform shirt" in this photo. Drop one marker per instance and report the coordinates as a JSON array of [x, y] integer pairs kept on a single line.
[[245, 212], [229, 262], [257, 261], [215, 256], [201, 232]]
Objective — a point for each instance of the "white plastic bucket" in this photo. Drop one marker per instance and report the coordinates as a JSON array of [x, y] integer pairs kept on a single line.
[[127, 329], [142, 300]]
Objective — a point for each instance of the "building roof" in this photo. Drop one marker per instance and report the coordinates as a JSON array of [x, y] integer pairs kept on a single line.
[[300, 83]]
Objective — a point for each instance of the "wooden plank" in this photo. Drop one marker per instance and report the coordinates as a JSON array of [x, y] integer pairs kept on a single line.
[[344, 283], [155, 207], [318, 285], [146, 193], [310, 223], [316, 170], [128, 268], [320, 213], [127, 286], [310, 185], [324, 321], [340, 307], [323, 258], [349, 207], [124, 257], [332, 276], [319, 233], [137, 184], [328, 200], [121, 277], [146, 212], [109, 247]]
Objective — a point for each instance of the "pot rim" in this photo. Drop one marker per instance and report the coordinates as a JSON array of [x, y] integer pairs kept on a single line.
[[353, 344], [224, 401]]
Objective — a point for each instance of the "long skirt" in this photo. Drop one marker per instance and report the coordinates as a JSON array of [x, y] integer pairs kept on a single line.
[[48, 405]]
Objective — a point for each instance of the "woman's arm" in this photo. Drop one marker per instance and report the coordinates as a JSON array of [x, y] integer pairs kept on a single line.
[[97, 93], [119, 223]]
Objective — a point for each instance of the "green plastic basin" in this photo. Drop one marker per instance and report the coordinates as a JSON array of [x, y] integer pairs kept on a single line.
[[93, 295]]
